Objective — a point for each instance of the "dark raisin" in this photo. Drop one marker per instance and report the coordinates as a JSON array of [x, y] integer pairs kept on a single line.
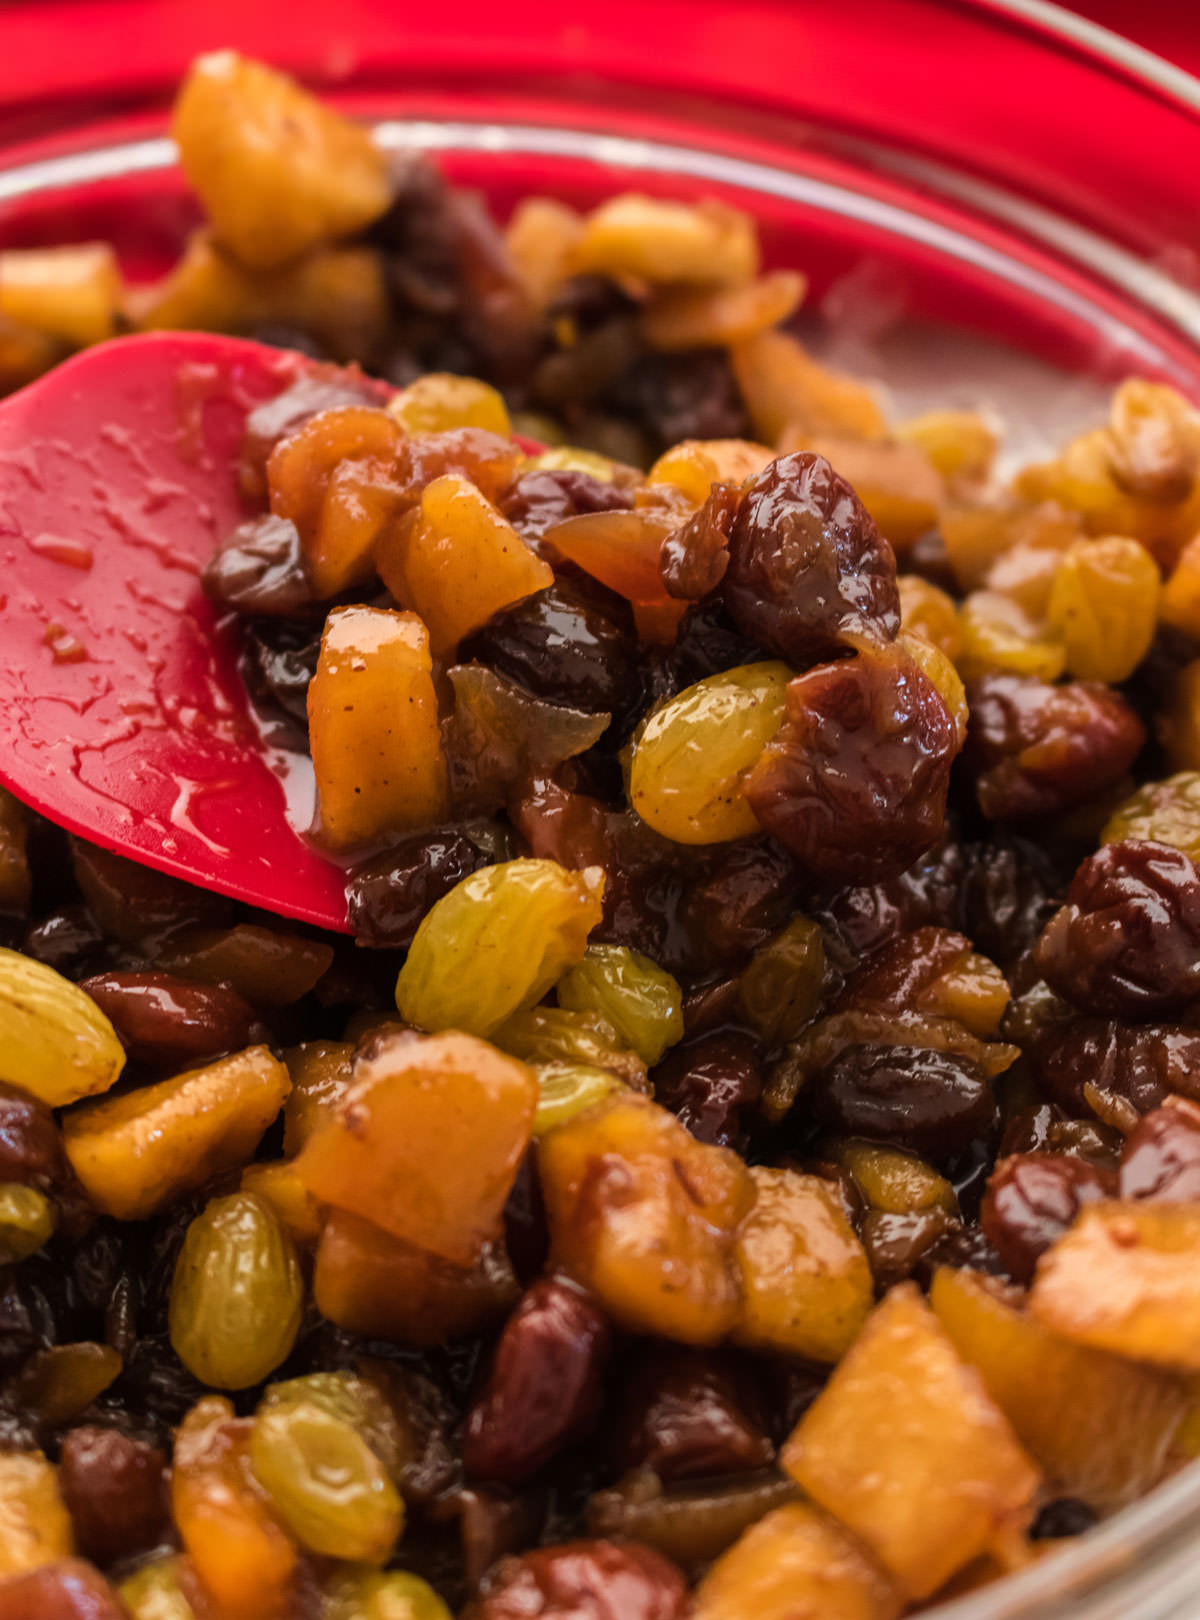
[[1007, 895], [896, 977], [743, 894], [670, 397], [389, 894], [933, 1102], [866, 917], [31, 1145], [68, 941], [537, 500], [809, 574], [543, 1388], [685, 1413], [855, 782], [260, 569], [115, 1491], [1161, 1159], [279, 659], [964, 1247], [131, 901], [163, 1019], [66, 1590], [1143, 1064], [563, 649], [1040, 750], [1031, 1200], [709, 1083], [317, 388], [1065, 1516], [695, 556], [583, 1580], [708, 642], [1127, 942]]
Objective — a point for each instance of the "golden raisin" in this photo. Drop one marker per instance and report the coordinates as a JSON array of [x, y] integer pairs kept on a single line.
[[1104, 606]]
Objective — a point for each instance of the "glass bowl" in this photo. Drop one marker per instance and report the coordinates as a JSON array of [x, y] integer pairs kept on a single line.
[[995, 203]]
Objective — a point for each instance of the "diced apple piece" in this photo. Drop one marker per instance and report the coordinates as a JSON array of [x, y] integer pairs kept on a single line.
[[372, 1283], [427, 1142], [1124, 1278], [70, 293], [784, 387], [138, 1152], [796, 1564], [458, 563], [297, 1211], [334, 479], [806, 1280], [35, 1527], [1100, 1427], [277, 170], [905, 1446], [705, 243], [373, 727], [646, 1217], [242, 1556]]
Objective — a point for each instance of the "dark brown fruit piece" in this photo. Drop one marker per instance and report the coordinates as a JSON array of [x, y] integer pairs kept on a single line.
[[1031, 1200]]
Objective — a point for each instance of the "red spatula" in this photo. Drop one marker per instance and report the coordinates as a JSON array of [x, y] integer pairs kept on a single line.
[[122, 713]]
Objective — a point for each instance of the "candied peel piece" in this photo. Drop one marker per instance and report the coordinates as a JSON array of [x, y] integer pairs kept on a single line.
[[905, 1447], [645, 1217], [677, 318], [35, 1527], [784, 387], [426, 1142], [705, 243], [71, 293]]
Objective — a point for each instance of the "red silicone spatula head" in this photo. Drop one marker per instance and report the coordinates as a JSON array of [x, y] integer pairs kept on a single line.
[[122, 713]]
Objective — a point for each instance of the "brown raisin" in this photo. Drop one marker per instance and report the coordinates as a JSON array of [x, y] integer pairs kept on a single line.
[[684, 1413], [163, 1019], [1140, 1063], [1031, 1200], [710, 1082], [695, 556], [583, 1580], [66, 1590], [115, 1491], [808, 571], [855, 782], [543, 1388], [936, 1103], [1040, 750], [1127, 942], [561, 648], [1161, 1159], [389, 894], [260, 569], [538, 500]]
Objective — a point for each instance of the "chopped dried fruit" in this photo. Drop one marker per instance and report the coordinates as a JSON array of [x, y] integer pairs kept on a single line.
[[905, 1447], [140, 1151], [1122, 1280], [806, 1285], [35, 1527], [645, 1217], [373, 725], [426, 1141]]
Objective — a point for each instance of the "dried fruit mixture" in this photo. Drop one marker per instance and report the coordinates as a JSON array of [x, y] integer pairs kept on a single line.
[[746, 1163]]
